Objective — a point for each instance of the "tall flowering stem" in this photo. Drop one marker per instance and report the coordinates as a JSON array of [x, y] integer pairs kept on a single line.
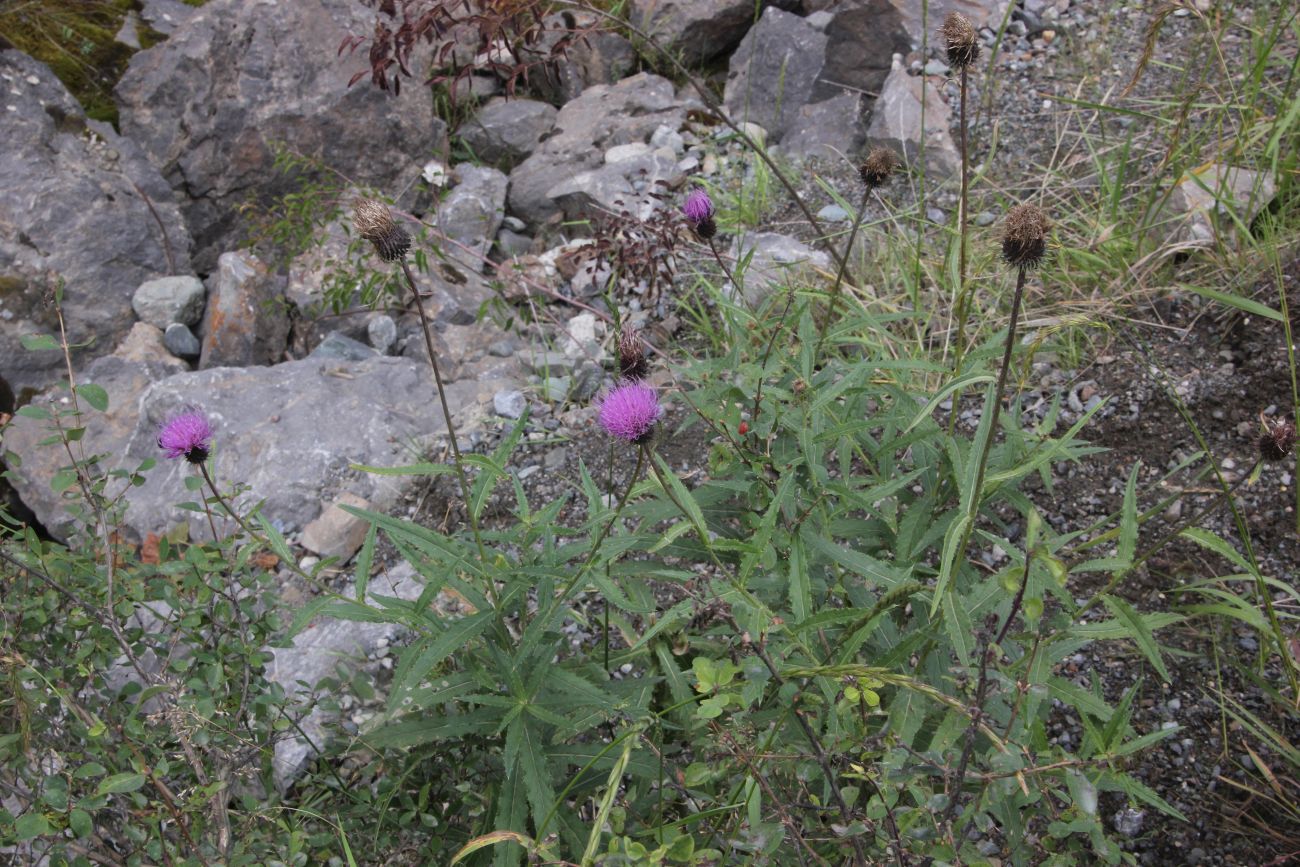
[[963, 48], [375, 223], [874, 172]]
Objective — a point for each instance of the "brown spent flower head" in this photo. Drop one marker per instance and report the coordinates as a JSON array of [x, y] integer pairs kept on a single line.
[[632, 362], [961, 40], [374, 222], [877, 167], [1277, 440], [1024, 236]]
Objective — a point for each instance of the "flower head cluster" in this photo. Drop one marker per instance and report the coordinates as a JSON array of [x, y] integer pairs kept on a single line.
[[1278, 439], [632, 364], [630, 412], [877, 167], [374, 222], [1024, 236], [698, 210], [961, 40], [188, 435]]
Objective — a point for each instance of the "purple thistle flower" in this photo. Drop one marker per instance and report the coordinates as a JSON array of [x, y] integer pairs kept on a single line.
[[698, 207], [188, 436], [630, 412]]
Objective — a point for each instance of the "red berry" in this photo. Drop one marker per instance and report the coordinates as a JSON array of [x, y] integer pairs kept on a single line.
[[744, 428]]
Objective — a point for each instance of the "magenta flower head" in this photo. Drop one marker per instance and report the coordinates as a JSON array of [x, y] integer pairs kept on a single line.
[[630, 412], [188, 436], [699, 213]]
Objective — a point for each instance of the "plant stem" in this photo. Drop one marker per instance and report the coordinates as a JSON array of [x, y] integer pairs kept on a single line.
[[959, 308], [981, 696], [740, 292], [982, 467], [446, 411], [839, 274]]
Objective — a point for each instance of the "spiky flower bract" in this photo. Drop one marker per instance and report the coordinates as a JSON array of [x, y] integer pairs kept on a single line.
[[877, 167], [1278, 439], [698, 209], [961, 41], [632, 362], [374, 222], [188, 435], [630, 412], [1024, 236]]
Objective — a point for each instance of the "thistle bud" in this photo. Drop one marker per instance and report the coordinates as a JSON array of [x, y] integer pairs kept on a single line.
[[632, 363], [1277, 440], [961, 41], [877, 167], [1024, 236], [374, 222]]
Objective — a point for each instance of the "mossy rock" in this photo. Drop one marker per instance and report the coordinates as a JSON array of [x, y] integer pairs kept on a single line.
[[76, 40]]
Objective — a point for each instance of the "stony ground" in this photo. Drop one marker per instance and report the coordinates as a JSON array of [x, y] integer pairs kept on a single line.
[[1227, 368]]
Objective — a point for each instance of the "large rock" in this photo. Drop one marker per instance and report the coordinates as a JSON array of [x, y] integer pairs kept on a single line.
[[290, 433], [774, 71], [599, 56], [982, 13], [624, 185], [327, 648], [505, 131], [896, 122], [1206, 204], [135, 365], [829, 129], [862, 38], [237, 75], [473, 210], [696, 30], [246, 321], [774, 259], [78, 204], [602, 117], [170, 299]]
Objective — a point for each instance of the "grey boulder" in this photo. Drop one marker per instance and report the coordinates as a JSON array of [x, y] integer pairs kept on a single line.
[[246, 321], [181, 342], [774, 71], [290, 433], [830, 129], [505, 131], [775, 259], [862, 38], [170, 299], [471, 213], [602, 117], [897, 123], [238, 75], [695, 30], [80, 205]]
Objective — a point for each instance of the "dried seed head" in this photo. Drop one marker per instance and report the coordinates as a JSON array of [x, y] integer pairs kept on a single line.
[[1024, 236], [375, 223], [1277, 440], [632, 363], [961, 40], [877, 167]]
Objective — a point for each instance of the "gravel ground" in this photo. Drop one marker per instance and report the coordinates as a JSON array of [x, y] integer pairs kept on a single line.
[[1228, 370]]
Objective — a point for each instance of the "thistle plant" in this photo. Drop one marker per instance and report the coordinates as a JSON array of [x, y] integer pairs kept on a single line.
[[374, 222], [961, 43], [874, 173]]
